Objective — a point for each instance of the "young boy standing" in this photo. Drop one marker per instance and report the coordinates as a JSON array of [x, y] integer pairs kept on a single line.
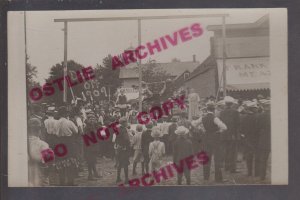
[[137, 147], [183, 148], [156, 150]]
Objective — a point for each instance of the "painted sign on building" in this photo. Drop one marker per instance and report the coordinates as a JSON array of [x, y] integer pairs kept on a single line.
[[246, 71]]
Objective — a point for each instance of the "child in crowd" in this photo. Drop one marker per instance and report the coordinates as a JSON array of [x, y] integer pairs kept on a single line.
[[90, 152], [145, 142], [182, 149], [136, 144], [156, 150]]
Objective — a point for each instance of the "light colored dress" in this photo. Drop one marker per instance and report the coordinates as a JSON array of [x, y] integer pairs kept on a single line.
[[36, 174], [193, 105], [136, 144], [156, 152]]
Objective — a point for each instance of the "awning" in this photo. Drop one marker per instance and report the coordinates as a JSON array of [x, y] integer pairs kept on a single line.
[[249, 86]]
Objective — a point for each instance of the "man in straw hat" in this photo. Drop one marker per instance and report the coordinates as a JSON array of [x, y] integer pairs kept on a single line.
[[156, 149], [230, 117], [214, 127], [249, 129], [122, 102], [183, 148], [51, 128]]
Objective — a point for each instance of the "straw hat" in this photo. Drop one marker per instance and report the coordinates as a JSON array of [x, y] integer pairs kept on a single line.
[[229, 99], [265, 101], [181, 130], [156, 132], [91, 115], [210, 105], [252, 104]]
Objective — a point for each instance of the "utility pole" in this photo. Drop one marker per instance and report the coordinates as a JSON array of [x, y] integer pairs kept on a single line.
[[140, 68], [224, 55], [138, 18], [65, 59]]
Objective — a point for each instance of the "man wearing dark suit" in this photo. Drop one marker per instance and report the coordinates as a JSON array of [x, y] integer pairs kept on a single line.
[[145, 142], [214, 128], [264, 144], [249, 129], [230, 117]]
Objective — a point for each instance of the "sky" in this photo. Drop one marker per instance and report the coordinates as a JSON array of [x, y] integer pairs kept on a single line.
[[90, 42]]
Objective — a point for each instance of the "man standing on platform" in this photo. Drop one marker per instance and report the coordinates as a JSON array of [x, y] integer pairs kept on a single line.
[[122, 102], [230, 117]]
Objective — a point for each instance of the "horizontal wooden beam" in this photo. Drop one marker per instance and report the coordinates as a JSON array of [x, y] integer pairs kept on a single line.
[[138, 18]]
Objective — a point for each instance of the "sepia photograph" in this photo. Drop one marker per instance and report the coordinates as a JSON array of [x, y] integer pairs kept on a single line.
[[137, 98]]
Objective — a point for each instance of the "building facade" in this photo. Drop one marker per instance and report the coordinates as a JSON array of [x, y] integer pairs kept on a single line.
[[246, 61]]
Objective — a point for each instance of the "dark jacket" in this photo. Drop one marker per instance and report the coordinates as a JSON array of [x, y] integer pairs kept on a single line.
[[171, 131], [145, 141], [231, 119], [183, 148], [249, 129], [122, 139], [264, 131]]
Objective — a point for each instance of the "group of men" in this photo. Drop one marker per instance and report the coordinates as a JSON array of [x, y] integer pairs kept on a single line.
[[218, 130]]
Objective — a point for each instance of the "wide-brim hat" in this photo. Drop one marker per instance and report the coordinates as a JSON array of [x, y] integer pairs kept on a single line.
[[210, 104], [265, 101], [229, 99], [156, 133], [252, 104], [181, 130], [50, 110], [174, 119], [90, 115]]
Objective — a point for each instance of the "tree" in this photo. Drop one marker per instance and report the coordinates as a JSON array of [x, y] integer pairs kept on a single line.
[[56, 72], [31, 74], [108, 77], [152, 72]]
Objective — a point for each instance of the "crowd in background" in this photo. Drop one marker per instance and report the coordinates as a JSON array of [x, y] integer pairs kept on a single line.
[[220, 128]]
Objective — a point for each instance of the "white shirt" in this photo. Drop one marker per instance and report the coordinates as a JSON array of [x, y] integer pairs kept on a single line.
[[51, 125], [157, 146], [66, 127], [136, 140], [219, 123], [164, 128]]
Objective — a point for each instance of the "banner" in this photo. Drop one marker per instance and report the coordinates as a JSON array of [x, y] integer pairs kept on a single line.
[[92, 89]]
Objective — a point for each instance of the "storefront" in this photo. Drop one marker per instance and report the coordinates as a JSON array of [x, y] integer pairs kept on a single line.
[[246, 77], [246, 58]]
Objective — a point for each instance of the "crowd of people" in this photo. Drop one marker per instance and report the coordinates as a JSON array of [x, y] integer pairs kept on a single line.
[[219, 128]]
